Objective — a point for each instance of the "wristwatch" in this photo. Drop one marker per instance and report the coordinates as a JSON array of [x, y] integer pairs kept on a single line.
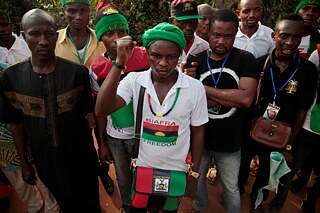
[[288, 147], [194, 174]]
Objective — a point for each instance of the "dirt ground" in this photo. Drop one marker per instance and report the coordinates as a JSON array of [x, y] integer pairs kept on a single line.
[[112, 204]]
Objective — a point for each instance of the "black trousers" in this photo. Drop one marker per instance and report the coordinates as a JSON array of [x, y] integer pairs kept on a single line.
[[306, 149]]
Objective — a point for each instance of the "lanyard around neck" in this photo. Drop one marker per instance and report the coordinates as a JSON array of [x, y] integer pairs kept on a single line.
[[81, 60], [221, 69], [274, 86]]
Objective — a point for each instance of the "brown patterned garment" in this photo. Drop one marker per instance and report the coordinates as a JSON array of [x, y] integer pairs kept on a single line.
[[53, 108]]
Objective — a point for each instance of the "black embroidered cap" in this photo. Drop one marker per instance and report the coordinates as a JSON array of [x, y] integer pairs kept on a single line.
[[184, 10]]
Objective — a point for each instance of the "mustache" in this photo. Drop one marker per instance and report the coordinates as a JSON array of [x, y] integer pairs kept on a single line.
[[220, 46]]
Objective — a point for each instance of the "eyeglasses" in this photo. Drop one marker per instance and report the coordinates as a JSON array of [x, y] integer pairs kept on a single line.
[[5, 24]]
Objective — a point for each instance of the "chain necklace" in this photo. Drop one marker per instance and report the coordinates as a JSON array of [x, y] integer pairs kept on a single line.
[[171, 108]]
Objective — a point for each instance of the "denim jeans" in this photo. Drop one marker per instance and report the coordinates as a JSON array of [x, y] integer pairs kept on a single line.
[[122, 152], [228, 165]]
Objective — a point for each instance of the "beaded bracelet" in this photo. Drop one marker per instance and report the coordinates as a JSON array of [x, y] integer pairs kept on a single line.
[[121, 67]]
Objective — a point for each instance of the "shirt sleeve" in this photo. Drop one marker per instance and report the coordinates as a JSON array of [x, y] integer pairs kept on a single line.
[[309, 87], [87, 98], [125, 88], [93, 81], [8, 113], [248, 65], [199, 115], [315, 58]]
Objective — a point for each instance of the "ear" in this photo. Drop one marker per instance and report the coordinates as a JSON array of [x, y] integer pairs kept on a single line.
[[237, 12], [273, 35]]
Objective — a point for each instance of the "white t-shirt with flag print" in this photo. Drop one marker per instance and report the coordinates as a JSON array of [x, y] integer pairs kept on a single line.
[[165, 141]]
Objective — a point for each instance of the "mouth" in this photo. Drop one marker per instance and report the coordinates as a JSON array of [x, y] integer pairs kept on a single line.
[[252, 21], [112, 48], [287, 51], [78, 23], [162, 72], [307, 21], [188, 35], [43, 51], [220, 48]]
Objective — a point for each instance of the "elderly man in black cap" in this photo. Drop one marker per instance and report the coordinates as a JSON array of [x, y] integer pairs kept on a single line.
[[184, 15]]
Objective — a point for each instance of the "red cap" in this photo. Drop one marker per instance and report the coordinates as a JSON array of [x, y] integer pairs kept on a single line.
[[104, 3]]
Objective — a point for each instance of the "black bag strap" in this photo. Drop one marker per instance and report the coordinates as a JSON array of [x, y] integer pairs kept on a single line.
[[261, 77], [137, 134]]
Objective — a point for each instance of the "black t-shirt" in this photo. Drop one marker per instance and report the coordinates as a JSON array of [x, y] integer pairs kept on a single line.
[[298, 93], [224, 129]]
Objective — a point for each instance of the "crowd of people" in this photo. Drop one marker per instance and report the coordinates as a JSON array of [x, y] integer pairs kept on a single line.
[[189, 96]]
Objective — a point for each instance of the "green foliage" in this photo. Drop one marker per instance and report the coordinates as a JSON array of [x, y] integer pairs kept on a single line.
[[142, 14], [274, 10], [17, 7], [145, 14]]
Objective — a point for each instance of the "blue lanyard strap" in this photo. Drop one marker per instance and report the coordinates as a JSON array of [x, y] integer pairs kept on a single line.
[[273, 84], [221, 69]]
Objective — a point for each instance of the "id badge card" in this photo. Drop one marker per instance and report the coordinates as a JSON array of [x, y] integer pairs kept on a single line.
[[271, 112], [215, 110]]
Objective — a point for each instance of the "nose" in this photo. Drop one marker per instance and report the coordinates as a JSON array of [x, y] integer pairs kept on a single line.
[[252, 13], [206, 21], [188, 27], [163, 62], [289, 41], [221, 40], [115, 37], [78, 15], [43, 40]]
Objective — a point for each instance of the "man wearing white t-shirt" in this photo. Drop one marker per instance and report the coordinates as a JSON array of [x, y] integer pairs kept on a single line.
[[309, 10], [306, 147], [12, 48], [174, 105], [187, 21], [253, 36]]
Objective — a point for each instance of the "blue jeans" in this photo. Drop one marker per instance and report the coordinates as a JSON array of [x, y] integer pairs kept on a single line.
[[228, 165], [121, 150]]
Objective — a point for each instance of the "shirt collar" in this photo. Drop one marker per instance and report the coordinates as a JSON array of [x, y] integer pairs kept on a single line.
[[258, 32], [63, 34], [17, 43], [145, 80], [292, 63]]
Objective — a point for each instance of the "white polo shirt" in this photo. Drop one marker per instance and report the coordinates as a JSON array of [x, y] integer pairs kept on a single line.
[[165, 141], [259, 44], [199, 45], [18, 52]]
